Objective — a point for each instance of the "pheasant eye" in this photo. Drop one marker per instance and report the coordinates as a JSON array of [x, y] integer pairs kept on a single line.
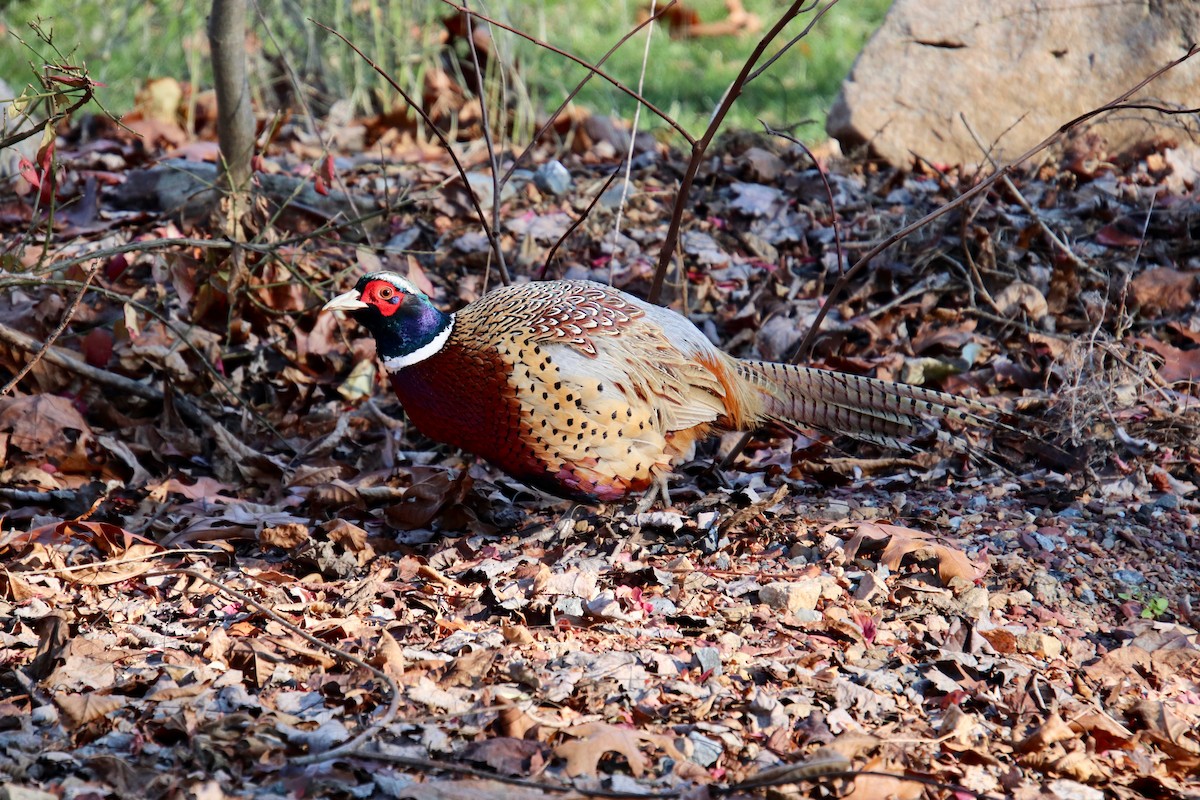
[[386, 293]]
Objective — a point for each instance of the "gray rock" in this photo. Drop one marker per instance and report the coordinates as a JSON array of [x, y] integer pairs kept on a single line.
[[791, 596], [1016, 71], [552, 178]]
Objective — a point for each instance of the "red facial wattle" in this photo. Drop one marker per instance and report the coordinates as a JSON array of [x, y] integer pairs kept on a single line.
[[384, 296]]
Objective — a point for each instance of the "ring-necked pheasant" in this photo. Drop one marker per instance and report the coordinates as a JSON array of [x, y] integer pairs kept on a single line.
[[587, 392]]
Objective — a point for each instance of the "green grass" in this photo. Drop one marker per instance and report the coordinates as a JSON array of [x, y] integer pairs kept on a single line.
[[124, 43]]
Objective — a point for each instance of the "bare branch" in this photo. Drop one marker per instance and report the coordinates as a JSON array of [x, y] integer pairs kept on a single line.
[[700, 146], [493, 237], [594, 69]]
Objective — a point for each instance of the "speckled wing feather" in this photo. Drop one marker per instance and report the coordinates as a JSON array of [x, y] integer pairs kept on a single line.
[[613, 390]]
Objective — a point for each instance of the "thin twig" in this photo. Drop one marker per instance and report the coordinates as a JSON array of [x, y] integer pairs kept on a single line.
[[574, 225], [861, 264], [112, 562], [637, 116], [120, 383], [792, 42], [85, 84], [209, 367], [579, 87], [1050, 235], [493, 159], [741, 443], [493, 237], [54, 334], [593, 68], [779, 776]]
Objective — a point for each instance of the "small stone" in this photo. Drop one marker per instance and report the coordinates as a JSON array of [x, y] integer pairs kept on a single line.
[[1129, 576], [44, 715], [663, 606], [791, 596], [11, 791], [762, 165], [552, 178], [1039, 644], [708, 659], [1073, 790], [705, 751]]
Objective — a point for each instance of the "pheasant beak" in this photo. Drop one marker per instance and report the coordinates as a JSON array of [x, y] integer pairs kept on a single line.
[[345, 302]]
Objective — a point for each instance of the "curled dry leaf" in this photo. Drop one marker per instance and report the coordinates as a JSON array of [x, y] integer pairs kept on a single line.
[[952, 562], [389, 656], [1022, 299], [348, 535]]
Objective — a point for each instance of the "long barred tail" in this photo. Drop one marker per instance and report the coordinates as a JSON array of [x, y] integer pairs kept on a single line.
[[869, 409]]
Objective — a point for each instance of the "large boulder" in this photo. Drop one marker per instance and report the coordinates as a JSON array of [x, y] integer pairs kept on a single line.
[[1015, 71]]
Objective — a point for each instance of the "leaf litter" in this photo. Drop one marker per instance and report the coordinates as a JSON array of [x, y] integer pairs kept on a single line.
[[1009, 632]]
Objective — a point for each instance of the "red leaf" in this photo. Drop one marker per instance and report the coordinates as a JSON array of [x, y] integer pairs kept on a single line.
[[29, 173]]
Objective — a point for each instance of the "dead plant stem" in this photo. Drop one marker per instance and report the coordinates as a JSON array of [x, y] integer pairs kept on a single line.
[[700, 146]]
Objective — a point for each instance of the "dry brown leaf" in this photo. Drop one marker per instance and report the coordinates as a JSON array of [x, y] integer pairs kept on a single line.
[[389, 655], [470, 669], [1163, 290], [1051, 731], [1021, 299], [80, 709], [285, 537], [1169, 731], [201, 488], [15, 588], [596, 739], [1178, 365], [880, 787], [348, 535], [952, 562], [136, 560], [47, 428]]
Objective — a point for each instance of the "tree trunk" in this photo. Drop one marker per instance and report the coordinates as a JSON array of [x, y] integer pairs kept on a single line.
[[235, 117]]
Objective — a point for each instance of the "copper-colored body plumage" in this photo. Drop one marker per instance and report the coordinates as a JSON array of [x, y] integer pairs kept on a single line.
[[584, 390]]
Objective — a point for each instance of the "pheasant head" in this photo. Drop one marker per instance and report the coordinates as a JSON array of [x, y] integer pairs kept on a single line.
[[407, 326]]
